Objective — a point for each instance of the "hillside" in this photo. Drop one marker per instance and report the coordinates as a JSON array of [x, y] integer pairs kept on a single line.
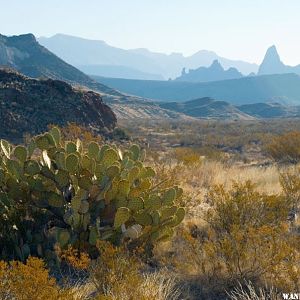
[[207, 108], [270, 110], [27, 56], [214, 72], [82, 52], [283, 88], [29, 106], [133, 108]]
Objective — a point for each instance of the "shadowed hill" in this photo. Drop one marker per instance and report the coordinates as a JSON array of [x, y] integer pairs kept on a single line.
[[28, 106], [270, 110], [207, 108]]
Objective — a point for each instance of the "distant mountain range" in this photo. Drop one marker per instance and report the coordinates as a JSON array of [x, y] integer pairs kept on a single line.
[[272, 64], [282, 88], [28, 102], [214, 72], [99, 57]]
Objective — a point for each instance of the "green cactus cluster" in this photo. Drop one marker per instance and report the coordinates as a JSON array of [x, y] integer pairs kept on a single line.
[[58, 192]]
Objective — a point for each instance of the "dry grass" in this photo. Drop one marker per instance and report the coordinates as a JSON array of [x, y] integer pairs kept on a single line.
[[248, 292], [197, 179], [160, 285]]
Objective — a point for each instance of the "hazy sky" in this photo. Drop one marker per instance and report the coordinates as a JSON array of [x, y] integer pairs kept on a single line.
[[240, 29]]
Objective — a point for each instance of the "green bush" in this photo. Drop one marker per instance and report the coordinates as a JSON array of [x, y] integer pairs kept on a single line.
[[61, 193]]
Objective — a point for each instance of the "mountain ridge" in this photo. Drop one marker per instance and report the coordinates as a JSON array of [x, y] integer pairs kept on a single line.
[[27, 56], [78, 52], [214, 72]]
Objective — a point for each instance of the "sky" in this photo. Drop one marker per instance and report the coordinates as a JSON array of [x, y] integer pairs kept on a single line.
[[236, 29]]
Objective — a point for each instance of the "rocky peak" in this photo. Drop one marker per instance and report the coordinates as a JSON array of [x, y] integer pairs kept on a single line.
[[28, 37], [216, 66], [271, 63], [214, 72], [272, 56]]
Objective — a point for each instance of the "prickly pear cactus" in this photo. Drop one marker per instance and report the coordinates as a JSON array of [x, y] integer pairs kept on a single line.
[[77, 194]]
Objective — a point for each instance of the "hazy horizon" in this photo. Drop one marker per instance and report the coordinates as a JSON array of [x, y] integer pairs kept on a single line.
[[240, 30]]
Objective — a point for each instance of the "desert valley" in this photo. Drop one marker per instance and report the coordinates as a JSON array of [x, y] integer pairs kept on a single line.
[[127, 173]]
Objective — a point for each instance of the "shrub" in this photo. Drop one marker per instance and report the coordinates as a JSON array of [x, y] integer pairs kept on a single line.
[[248, 238], [285, 148], [250, 235], [117, 275], [22, 281], [68, 193], [120, 134], [290, 182], [187, 156]]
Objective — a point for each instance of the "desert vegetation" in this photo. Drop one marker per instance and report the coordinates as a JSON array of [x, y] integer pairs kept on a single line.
[[174, 211]]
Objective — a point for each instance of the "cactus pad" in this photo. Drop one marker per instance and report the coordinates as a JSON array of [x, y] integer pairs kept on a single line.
[[135, 152], [31, 167], [55, 132], [169, 197], [143, 218], [109, 157], [93, 150], [42, 142], [56, 200], [122, 216], [20, 153], [136, 204], [71, 147], [72, 162]]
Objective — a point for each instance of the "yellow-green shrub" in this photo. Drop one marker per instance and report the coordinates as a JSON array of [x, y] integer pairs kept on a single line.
[[30, 280], [248, 237], [117, 274], [285, 148], [187, 156]]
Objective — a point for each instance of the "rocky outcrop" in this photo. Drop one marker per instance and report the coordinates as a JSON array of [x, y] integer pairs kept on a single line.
[[272, 64], [213, 73], [29, 105]]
